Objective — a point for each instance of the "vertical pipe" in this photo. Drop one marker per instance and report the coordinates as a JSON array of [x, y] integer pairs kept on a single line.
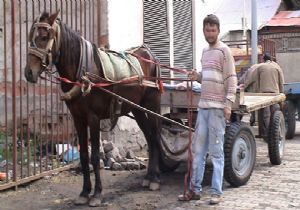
[[170, 22], [67, 15], [51, 118], [27, 96], [57, 87], [5, 87], [21, 90], [253, 32], [80, 18], [90, 25], [244, 21], [34, 109], [194, 33], [40, 126], [84, 16], [50, 5], [99, 18], [61, 11], [93, 23], [76, 17], [71, 5], [13, 62]]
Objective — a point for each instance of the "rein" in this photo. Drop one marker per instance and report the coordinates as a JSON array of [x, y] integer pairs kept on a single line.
[[183, 71]]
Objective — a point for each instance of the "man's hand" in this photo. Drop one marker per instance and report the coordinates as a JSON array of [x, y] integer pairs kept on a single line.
[[227, 113], [193, 75]]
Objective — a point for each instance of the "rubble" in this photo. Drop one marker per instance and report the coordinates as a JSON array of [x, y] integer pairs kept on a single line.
[[116, 158]]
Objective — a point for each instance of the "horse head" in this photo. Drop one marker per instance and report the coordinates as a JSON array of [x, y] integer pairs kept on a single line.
[[44, 39]]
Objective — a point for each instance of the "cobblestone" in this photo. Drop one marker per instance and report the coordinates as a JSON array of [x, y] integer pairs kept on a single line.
[[270, 187]]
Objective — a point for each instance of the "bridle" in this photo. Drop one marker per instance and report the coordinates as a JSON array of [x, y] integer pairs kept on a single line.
[[45, 54]]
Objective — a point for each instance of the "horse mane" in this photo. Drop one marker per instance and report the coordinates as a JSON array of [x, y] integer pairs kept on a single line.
[[69, 49]]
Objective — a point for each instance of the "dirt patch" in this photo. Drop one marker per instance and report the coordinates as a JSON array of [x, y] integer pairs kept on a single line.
[[121, 190]]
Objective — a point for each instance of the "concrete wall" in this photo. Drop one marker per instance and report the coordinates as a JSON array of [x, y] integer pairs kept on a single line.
[[289, 62]]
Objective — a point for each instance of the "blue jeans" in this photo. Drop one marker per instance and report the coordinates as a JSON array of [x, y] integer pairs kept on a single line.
[[208, 137]]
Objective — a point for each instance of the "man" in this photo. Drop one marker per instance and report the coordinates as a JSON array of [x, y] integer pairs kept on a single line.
[[268, 78], [250, 88], [218, 89]]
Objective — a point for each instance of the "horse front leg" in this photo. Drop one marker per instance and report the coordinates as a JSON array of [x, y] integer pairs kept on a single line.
[[81, 129], [95, 160]]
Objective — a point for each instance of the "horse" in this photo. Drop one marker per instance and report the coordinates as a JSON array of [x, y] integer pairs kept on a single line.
[[53, 43]]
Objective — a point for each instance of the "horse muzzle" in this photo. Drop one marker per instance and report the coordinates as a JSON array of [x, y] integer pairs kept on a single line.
[[30, 75]]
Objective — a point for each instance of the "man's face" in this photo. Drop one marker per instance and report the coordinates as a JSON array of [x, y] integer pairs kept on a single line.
[[211, 33]]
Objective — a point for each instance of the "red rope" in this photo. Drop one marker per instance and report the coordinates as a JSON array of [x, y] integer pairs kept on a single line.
[[183, 71], [124, 81]]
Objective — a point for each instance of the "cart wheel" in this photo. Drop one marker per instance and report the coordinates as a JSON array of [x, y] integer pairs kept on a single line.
[[276, 138], [240, 153], [290, 119]]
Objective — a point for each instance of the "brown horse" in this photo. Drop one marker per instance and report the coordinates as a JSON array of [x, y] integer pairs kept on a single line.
[[54, 43]]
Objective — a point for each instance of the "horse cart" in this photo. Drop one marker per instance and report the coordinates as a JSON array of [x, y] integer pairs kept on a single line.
[[239, 144]]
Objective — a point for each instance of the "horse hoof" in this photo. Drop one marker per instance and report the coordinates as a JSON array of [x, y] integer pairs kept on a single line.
[[81, 200], [95, 202], [154, 186], [146, 183]]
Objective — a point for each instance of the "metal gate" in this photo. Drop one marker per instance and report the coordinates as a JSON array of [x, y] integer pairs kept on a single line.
[[37, 136]]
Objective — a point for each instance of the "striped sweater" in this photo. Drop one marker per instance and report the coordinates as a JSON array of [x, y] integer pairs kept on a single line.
[[218, 77]]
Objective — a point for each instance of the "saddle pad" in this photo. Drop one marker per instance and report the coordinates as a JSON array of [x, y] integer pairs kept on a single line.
[[118, 66]]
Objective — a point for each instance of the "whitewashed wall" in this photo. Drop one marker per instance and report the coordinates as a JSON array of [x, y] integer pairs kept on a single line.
[[125, 23]]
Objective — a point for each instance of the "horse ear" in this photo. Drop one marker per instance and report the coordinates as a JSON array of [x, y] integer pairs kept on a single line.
[[53, 17], [30, 35]]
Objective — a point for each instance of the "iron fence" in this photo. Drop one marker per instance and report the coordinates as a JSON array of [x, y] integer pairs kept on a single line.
[[37, 136]]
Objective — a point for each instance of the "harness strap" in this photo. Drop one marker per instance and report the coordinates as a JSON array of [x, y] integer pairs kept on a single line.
[[38, 52], [86, 58]]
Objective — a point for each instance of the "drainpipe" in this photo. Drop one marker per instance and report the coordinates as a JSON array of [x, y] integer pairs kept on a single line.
[[171, 35], [194, 32], [253, 32]]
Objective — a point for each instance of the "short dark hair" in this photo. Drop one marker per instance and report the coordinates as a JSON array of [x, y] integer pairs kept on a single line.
[[211, 20], [267, 57]]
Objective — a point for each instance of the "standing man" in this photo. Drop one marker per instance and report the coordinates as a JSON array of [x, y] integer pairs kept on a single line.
[[268, 77], [218, 89]]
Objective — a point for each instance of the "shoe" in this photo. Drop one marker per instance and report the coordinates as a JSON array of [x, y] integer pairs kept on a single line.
[[215, 199], [189, 195]]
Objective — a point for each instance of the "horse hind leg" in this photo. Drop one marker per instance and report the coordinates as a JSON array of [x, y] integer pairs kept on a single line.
[[151, 179]]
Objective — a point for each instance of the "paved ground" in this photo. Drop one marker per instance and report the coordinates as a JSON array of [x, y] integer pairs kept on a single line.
[[270, 187]]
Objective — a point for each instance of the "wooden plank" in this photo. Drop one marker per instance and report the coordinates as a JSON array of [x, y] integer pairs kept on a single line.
[[256, 101], [245, 102]]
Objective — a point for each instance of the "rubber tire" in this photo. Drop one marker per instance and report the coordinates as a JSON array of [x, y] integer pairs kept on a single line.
[[290, 119], [276, 137], [239, 134]]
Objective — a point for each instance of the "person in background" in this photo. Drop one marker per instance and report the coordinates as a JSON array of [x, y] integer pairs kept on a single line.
[[218, 91], [268, 78], [250, 88]]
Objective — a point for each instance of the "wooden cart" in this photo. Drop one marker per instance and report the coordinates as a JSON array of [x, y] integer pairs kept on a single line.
[[239, 145]]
